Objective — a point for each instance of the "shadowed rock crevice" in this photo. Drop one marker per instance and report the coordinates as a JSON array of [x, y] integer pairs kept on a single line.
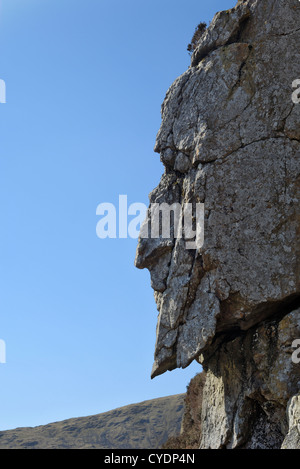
[[276, 310]]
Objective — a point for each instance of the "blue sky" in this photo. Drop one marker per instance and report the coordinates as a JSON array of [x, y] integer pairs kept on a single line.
[[85, 82]]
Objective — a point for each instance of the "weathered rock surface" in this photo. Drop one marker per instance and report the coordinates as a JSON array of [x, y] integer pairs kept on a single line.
[[292, 439], [230, 138], [190, 434], [248, 386]]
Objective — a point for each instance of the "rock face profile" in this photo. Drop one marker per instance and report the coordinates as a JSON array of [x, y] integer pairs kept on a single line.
[[230, 139]]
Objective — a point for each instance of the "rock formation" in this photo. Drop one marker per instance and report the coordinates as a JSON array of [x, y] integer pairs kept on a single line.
[[230, 138], [190, 432]]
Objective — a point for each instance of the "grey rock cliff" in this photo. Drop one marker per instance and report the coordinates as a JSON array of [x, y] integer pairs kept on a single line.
[[230, 138]]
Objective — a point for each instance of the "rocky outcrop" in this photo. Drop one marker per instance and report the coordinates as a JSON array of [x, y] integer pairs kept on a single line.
[[230, 138], [190, 434], [292, 439], [248, 386]]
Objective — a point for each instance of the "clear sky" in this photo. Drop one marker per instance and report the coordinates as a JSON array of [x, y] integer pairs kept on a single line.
[[85, 81]]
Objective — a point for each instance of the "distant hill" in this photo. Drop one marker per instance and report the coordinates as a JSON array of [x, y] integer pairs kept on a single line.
[[145, 425]]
